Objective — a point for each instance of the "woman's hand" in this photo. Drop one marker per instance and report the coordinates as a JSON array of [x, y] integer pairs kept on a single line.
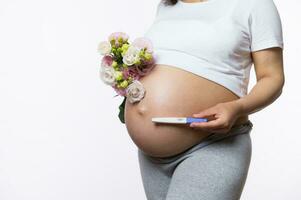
[[224, 115]]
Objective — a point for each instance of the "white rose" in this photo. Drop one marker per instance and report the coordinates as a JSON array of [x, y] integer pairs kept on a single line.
[[135, 91], [107, 75], [104, 48], [131, 55]]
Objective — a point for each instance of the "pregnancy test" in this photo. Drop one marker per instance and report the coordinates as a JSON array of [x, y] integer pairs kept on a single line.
[[178, 120]]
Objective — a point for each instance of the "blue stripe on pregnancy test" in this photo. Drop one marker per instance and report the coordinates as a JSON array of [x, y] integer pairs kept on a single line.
[[193, 119]]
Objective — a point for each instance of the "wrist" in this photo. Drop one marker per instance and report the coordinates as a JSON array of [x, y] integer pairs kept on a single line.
[[240, 107]]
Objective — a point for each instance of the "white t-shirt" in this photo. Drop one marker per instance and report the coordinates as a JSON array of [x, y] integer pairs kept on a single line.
[[214, 39]]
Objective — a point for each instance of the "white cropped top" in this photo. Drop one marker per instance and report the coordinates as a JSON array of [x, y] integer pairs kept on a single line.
[[214, 38]]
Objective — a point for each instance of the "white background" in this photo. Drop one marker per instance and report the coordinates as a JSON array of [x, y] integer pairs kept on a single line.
[[60, 137]]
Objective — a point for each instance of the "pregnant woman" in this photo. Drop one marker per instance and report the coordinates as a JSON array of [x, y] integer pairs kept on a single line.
[[204, 51]]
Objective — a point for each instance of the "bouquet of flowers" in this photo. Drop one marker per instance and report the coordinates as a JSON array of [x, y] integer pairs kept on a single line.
[[123, 64]]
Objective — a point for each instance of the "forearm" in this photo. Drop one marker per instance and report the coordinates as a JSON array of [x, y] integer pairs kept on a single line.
[[266, 91]]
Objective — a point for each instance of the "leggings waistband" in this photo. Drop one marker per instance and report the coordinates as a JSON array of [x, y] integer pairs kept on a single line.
[[244, 128], [235, 130]]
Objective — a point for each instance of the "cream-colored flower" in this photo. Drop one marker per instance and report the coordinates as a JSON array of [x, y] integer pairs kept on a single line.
[[143, 42], [131, 56], [107, 75], [135, 91], [104, 47]]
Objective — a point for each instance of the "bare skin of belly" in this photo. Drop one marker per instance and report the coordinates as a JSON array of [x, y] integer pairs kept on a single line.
[[172, 92]]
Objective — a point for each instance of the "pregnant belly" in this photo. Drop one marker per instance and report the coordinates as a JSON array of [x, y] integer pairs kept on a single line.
[[171, 92]]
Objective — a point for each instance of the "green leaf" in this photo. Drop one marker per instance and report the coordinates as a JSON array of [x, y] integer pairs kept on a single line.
[[121, 111]]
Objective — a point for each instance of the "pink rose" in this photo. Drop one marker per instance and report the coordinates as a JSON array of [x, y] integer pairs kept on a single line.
[[125, 73], [144, 69], [106, 61], [133, 72], [135, 91]]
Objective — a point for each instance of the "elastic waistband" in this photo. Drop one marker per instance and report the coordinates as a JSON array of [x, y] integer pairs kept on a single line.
[[235, 130], [240, 127]]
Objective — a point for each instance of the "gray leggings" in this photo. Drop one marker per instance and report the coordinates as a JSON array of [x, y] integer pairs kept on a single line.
[[214, 169]]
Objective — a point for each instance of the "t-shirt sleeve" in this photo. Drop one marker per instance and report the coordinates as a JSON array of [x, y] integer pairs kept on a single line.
[[265, 26], [159, 7]]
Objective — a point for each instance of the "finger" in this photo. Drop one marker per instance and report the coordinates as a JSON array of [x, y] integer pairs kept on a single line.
[[214, 124], [205, 113]]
